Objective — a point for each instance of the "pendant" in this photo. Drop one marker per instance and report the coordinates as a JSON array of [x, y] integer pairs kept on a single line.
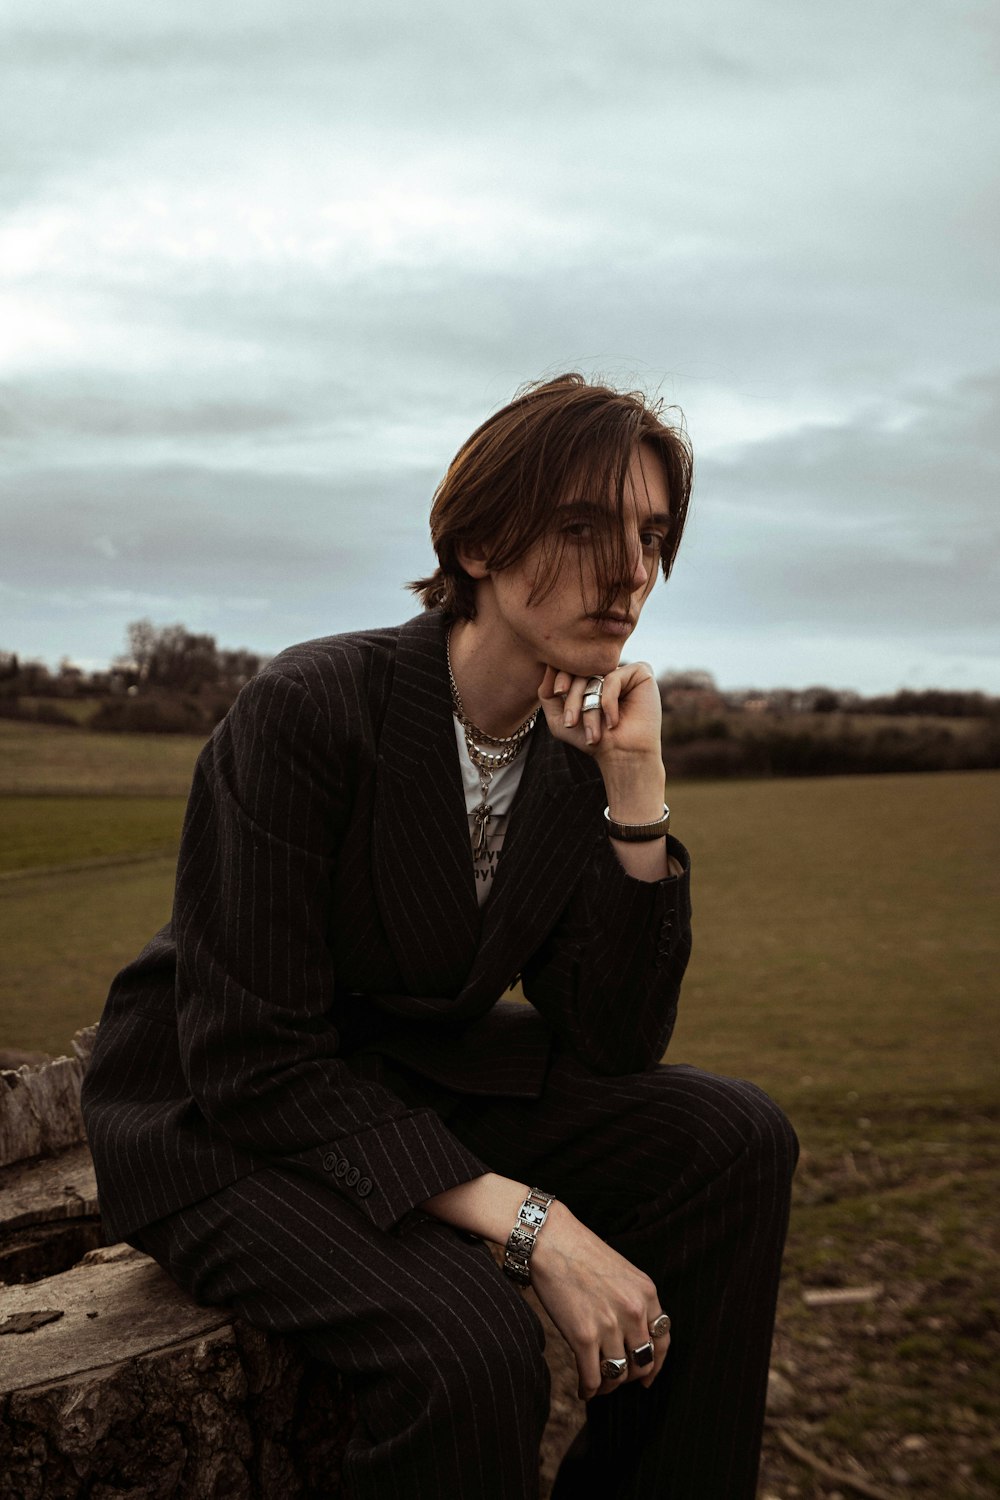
[[481, 817]]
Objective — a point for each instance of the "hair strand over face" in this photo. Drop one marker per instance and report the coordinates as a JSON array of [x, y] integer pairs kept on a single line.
[[558, 440]]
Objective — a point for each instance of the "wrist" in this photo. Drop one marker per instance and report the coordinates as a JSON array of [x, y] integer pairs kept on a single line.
[[635, 789], [532, 1217]]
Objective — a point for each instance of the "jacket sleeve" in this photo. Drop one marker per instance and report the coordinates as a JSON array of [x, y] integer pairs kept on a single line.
[[254, 969], [608, 977]]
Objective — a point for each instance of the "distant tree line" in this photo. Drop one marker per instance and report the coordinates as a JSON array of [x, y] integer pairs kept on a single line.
[[820, 731], [170, 680], [173, 680]]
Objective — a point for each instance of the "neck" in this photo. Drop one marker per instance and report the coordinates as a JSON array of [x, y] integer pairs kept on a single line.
[[498, 693]]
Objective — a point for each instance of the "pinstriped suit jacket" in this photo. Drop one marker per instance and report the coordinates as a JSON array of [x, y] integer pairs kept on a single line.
[[326, 910]]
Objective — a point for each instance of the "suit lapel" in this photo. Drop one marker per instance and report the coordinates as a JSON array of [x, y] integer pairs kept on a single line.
[[553, 826], [422, 859], [421, 853]]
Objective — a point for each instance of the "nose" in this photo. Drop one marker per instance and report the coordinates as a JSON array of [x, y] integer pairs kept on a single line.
[[639, 575]]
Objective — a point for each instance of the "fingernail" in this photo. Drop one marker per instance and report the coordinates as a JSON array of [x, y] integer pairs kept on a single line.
[[568, 717], [607, 720], [589, 732]]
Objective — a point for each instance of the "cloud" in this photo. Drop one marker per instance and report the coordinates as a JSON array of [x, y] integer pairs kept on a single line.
[[265, 267]]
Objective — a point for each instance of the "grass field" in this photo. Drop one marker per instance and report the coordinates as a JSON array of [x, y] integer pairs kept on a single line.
[[845, 958], [36, 758]]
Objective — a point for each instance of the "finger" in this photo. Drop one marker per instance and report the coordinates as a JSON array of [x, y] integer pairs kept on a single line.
[[641, 1352], [612, 1382], [590, 717], [573, 704], [588, 1369], [552, 700], [548, 688], [610, 699], [593, 722], [660, 1346]]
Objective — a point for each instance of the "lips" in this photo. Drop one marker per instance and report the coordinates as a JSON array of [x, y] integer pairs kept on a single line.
[[613, 624]]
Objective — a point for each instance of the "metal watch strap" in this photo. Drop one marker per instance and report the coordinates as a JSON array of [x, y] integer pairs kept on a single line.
[[637, 833], [530, 1218]]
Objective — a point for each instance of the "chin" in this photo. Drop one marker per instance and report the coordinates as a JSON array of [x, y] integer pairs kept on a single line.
[[596, 657]]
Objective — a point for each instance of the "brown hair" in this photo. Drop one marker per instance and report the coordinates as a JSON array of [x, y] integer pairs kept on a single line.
[[503, 486]]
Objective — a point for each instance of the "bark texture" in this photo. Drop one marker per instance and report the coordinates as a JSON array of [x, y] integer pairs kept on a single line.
[[135, 1391], [40, 1105]]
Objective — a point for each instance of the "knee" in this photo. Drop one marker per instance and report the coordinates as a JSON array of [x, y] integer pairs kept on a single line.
[[738, 1127], [771, 1134], [762, 1138]]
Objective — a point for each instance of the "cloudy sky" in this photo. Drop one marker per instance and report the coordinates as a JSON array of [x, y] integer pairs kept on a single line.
[[263, 267]]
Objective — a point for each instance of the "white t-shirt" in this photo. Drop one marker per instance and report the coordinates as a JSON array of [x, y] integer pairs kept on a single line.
[[503, 784]]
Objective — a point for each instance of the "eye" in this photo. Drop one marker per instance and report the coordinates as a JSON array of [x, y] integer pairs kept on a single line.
[[578, 531], [652, 541]]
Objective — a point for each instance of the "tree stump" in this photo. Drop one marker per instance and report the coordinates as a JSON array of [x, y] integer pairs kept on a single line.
[[120, 1387], [114, 1384], [40, 1105]]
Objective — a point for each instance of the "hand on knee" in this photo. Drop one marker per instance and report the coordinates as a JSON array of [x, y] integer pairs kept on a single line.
[[606, 1309]]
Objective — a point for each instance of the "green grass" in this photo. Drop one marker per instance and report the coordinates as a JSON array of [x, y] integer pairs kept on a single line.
[[845, 931], [39, 758], [65, 936], [40, 832]]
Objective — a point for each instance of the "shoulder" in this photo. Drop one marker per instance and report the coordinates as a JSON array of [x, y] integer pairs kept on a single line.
[[330, 666], [340, 681]]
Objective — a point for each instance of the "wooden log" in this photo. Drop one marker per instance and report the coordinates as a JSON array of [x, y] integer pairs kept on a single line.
[[134, 1392], [49, 1216], [40, 1105]]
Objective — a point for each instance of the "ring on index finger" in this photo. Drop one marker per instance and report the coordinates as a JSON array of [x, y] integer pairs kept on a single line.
[[659, 1326], [593, 694]]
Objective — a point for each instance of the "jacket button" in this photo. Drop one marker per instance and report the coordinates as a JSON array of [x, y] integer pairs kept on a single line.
[[342, 1168], [364, 1187], [352, 1177]]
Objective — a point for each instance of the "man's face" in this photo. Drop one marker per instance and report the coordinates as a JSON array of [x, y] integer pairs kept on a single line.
[[564, 628]]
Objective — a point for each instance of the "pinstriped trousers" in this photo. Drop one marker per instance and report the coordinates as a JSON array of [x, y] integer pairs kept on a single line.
[[686, 1174]]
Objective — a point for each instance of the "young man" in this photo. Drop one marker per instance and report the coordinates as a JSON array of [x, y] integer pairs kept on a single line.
[[309, 1098]]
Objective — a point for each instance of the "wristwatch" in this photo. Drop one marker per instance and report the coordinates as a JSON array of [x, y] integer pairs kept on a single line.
[[530, 1218]]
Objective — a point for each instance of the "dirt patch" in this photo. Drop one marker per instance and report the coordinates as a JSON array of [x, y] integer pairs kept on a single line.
[[899, 1390]]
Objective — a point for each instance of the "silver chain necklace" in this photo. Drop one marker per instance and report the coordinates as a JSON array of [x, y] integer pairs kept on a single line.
[[505, 750]]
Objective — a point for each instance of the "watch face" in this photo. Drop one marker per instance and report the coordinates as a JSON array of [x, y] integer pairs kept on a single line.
[[532, 1214]]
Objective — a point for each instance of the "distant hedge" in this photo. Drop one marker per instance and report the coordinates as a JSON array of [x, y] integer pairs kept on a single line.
[[158, 715], [36, 713], [826, 745]]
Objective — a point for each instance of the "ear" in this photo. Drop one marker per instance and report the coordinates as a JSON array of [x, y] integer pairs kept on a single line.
[[472, 557]]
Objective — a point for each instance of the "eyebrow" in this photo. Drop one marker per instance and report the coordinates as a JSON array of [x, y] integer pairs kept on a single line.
[[591, 510]]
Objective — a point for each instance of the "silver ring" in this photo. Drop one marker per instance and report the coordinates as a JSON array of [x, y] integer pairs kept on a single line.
[[659, 1326], [644, 1355], [590, 702], [613, 1369]]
